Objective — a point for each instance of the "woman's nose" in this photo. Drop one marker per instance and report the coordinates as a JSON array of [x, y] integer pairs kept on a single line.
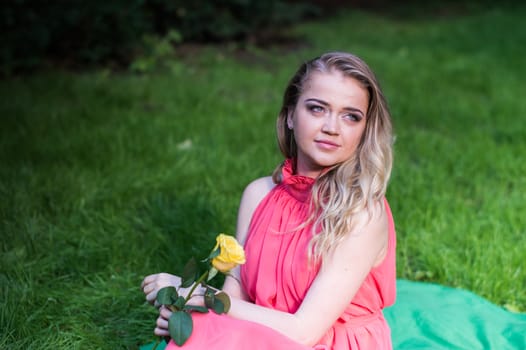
[[330, 124]]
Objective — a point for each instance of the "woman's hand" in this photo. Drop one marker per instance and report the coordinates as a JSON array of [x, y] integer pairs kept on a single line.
[[152, 283], [161, 326]]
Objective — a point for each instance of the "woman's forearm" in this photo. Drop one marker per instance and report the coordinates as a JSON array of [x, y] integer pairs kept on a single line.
[[286, 323]]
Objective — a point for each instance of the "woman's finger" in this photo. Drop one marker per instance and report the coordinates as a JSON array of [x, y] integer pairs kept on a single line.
[[165, 313], [148, 279], [150, 297], [162, 323], [161, 332]]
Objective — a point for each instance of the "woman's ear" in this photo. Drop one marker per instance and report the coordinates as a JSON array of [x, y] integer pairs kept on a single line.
[[290, 123]]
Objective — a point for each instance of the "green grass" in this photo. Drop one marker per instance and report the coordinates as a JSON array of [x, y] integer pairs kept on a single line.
[[105, 178]]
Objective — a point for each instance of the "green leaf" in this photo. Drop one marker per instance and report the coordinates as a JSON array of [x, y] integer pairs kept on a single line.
[[225, 300], [174, 35], [180, 326], [167, 295], [212, 273], [218, 307], [190, 273], [219, 303], [179, 303], [214, 253], [209, 298], [197, 308]]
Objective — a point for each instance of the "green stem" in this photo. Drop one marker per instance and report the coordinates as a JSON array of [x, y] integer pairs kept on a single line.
[[198, 282], [157, 343]]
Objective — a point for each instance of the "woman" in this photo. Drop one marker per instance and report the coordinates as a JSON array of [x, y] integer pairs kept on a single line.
[[319, 235]]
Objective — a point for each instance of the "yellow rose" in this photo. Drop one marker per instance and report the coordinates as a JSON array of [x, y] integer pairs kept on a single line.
[[231, 255]]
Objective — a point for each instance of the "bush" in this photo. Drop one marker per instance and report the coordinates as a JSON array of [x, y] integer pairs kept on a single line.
[[206, 21], [100, 31], [77, 31]]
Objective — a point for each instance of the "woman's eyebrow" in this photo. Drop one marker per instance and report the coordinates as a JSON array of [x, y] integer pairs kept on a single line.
[[317, 100], [350, 109]]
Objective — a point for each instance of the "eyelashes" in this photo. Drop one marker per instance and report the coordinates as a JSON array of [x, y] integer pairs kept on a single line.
[[319, 110], [354, 117], [315, 108]]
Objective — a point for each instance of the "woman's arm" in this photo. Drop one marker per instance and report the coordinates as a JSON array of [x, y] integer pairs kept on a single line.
[[340, 277], [252, 196]]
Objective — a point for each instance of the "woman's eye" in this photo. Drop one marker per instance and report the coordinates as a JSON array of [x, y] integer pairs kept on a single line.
[[315, 108], [353, 117]]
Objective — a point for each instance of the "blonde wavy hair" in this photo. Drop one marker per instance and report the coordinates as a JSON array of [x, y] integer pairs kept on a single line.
[[347, 188]]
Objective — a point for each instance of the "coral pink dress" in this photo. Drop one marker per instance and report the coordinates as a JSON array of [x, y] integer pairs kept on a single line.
[[276, 275]]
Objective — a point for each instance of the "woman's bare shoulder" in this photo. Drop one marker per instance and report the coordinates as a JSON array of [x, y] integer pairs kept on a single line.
[[252, 196], [259, 187], [255, 192]]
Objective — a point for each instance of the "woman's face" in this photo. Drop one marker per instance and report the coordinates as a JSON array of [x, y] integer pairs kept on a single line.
[[328, 121]]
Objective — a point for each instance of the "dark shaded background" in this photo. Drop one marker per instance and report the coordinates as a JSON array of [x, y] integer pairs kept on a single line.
[[77, 34]]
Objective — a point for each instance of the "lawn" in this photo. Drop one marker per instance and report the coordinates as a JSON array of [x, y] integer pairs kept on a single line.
[[108, 176]]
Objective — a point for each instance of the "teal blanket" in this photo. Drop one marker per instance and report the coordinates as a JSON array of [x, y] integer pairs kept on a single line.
[[430, 316]]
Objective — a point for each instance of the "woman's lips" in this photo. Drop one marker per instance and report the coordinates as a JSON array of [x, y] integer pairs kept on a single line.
[[326, 144]]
